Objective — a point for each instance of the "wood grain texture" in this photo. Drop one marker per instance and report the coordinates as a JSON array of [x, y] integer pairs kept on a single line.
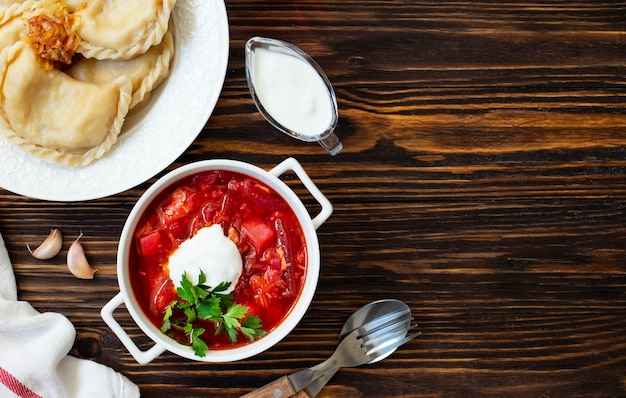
[[482, 182]]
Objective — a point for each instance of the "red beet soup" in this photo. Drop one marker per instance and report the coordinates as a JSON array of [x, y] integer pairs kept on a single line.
[[257, 219]]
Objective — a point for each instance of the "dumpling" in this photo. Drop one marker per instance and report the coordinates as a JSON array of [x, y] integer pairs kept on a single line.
[[145, 71], [10, 31], [12, 24], [55, 117], [120, 29], [6, 3]]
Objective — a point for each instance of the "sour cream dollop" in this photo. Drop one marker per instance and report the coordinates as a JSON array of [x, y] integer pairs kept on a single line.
[[292, 92], [208, 251]]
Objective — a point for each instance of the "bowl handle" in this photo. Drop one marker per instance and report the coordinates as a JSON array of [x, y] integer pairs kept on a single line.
[[143, 357], [293, 165]]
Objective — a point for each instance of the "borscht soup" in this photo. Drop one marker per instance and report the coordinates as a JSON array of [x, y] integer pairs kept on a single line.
[[217, 260]]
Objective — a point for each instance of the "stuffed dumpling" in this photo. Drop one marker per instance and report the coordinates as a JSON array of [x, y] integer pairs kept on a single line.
[[120, 29], [12, 23], [145, 71], [54, 116]]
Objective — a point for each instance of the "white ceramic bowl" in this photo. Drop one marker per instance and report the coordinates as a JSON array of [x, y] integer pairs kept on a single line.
[[163, 342]]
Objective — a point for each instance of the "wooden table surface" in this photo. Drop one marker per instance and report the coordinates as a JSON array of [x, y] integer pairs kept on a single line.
[[482, 182]]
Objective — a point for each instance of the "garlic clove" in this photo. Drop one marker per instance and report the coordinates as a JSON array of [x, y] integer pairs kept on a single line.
[[50, 247], [77, 262]]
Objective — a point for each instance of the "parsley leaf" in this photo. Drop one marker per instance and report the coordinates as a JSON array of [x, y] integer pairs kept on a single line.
[[190, 293], [166, 319], [197, 344], [231, 320], [234, 313], [201, 303], [221, 287], [251, 327], [210, 309]]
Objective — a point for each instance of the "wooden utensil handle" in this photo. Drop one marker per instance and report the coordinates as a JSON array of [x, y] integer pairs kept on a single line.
[[301, 394], [279, 388]]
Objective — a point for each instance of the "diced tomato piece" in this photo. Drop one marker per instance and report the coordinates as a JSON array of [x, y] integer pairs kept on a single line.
[[177, 233], [150, 243], [196, 223], [208, 211], [183, 200], [206, 181], [258, 233], [227, 208], [258, 196], [164, 295]]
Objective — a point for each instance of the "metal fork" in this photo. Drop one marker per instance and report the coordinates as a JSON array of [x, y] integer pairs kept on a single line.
[[385, 348], [363, 345]]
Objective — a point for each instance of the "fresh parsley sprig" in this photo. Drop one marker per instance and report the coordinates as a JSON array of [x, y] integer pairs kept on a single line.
[[212, 304]]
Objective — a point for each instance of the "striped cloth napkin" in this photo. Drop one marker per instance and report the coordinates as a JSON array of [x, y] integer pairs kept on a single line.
[[33, 352]]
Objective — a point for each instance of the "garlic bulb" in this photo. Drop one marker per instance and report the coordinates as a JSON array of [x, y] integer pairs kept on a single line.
[[77, 262], [50, 247]]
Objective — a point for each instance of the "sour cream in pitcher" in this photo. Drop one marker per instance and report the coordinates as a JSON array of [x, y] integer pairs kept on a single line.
[[292, 92]]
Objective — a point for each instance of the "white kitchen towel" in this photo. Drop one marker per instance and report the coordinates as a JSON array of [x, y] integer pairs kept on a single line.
[[34, 347]]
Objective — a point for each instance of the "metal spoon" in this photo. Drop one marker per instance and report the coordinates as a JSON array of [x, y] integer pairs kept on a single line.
[[366, 315], [369, 312], [365, 344]]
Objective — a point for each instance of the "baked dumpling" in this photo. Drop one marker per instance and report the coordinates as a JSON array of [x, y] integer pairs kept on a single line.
[[54, 116], [120, 29], [145, 71]]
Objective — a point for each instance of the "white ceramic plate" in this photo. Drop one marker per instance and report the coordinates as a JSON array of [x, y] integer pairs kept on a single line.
[[152, 138]]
